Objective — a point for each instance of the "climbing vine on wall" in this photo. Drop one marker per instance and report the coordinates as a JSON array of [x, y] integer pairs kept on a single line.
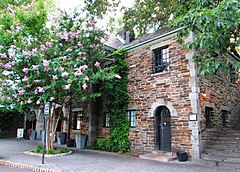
[[116, 101]]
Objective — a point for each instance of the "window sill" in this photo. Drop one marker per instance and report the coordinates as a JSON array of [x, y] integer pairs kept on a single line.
[[160, 73]]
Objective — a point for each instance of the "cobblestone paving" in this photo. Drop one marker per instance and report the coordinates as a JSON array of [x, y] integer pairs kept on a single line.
[[96, 161]]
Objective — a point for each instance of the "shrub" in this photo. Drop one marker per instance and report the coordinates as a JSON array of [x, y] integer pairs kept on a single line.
[[50, 151], [38, 149], [63, 150]]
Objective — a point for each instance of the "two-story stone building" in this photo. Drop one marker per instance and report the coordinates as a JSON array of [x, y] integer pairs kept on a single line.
[[171, 105]]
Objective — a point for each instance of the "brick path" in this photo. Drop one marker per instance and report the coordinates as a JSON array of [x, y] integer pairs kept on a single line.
[[89, 160]]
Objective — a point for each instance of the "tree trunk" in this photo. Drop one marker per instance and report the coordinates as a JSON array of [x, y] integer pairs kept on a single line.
[[48, 132]]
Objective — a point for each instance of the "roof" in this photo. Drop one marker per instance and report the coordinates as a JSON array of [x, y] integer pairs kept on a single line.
[[114, 42], [146, 37]]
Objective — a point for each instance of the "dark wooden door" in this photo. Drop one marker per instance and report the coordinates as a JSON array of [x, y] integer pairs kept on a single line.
[[165, 130]]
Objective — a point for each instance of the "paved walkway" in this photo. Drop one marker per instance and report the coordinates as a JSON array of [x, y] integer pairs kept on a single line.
[[97, 161]]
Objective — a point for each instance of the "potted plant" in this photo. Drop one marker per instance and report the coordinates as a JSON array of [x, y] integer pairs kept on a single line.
[[80, 139]]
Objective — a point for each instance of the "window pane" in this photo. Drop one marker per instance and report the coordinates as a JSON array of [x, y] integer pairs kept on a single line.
[[107, 118], [161, 59]]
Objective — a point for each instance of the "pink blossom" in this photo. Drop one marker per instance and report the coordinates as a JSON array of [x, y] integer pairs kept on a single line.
[[53, 104], [65, 74], [40, 90], [21, 91], [86, 78], [11, 53], [43, 48], [36, 91], [54, 77], [84, 67], [35, 67], [69, 50], [27, 53], [15, 96], [52, 98], [28, 85], [36, 81], [25, 79], [3, 56], [97, 64], [68, 86], [25, 70], [92, 46], [84, 86], [45, 63], [80, 44], [34, 51], [64, 58], [38, 102], [118, 76], [78, 73], [49, 44], [29, 101], [61, 69]]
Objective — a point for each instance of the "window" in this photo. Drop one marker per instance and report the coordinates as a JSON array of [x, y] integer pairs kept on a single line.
[[161, 59], [76, 120], [131, 116], [233, 75], [209, 115], [107, 118]]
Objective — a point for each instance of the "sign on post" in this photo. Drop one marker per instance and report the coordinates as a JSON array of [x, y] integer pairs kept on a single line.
[[46, 109]]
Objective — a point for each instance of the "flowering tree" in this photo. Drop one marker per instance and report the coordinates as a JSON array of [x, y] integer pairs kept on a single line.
[[56, 70]]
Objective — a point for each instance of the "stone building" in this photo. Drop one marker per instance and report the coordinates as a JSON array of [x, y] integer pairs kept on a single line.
[[172, 106]]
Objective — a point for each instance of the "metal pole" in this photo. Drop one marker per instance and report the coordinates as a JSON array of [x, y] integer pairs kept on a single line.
[[44, 138]]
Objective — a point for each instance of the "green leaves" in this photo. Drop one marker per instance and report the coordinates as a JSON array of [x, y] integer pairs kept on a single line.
[[216, 26]]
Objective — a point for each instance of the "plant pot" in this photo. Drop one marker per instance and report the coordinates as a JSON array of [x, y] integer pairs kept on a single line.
[[70, 142], [33, 135], [80, 141], [61, 138], [182, 156]]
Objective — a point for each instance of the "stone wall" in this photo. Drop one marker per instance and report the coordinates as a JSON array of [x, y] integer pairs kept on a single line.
[[218, 93], [148, 91]]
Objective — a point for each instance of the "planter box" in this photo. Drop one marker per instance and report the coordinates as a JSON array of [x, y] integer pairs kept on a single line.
[[70, 142], [61, 138], [33, 135], [80, 141]]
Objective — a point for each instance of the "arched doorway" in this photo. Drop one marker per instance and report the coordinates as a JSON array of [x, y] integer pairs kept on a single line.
[[163, 128]]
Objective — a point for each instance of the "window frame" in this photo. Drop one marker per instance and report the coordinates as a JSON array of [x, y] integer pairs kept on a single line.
[[77, 120], [106, 119], [131, 114], [161, 57]]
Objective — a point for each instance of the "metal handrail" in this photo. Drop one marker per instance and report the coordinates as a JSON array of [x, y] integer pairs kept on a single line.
[[218, 116]]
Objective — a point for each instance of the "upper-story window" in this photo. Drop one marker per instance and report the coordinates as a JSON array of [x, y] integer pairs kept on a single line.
[[161, 59]]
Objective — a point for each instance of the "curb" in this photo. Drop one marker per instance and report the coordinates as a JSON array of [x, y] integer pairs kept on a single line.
[[46, 155], [25, 167]]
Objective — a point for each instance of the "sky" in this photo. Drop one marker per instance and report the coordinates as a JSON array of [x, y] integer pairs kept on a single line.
[[69, 5]]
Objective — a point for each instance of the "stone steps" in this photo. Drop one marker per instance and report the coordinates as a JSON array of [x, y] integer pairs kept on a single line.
[[159, 156], [224, 147]]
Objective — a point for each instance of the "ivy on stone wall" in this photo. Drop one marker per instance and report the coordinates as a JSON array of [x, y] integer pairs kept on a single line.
[[116, 103]]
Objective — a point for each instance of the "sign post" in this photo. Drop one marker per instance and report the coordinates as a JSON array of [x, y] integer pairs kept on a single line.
[[46, 113]]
